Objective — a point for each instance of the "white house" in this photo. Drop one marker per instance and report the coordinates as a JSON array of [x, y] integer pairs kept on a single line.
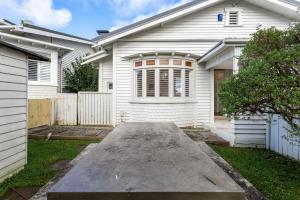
[[13, 107], [168, 67], [46, 78]]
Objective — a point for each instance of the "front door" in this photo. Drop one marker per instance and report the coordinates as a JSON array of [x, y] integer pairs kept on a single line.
[[219, 77]]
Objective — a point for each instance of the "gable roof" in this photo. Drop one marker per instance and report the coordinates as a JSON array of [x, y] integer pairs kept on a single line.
[[289, 8]]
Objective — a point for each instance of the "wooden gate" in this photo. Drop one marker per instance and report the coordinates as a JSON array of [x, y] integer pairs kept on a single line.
[[66, 112], [94, 108]]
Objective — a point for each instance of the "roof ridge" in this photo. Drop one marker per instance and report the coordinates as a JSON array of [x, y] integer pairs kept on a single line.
[[55, 32]]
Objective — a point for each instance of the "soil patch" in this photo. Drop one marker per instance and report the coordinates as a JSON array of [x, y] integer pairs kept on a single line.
[[23, 193], [61, 165], [69, 132]]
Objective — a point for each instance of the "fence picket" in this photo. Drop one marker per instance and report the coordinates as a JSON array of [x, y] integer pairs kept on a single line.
[[281, 140]]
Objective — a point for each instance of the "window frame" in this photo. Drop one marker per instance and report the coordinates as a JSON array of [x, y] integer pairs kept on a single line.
[[39, 65], [171, 98]]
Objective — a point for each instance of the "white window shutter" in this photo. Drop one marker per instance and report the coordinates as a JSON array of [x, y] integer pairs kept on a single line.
[[164, 82], [45, 71], [139, 83], [187, 83], [32, 70], [151, 83]]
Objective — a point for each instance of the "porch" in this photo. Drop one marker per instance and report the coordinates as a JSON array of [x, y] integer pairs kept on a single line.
[[222, 61]]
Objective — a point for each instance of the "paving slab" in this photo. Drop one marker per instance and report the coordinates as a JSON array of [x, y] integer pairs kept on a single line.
[[143, 161]]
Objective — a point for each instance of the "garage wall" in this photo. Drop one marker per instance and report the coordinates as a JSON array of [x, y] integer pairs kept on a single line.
[[13, 109]]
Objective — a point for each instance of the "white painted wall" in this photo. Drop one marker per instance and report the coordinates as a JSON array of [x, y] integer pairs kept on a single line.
[[80, 50], [197, 34], [13, 111], [204, 25], [105, 74], [194, 113]]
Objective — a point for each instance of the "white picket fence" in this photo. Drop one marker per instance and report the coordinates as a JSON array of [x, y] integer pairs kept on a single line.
[[281, 140], [84, 108]]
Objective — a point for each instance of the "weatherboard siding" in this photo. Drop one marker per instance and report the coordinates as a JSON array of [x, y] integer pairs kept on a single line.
[[13, 111], [204, 25], [42, 91], [80, 50], [250, 132], [196, 113], [105, 74]]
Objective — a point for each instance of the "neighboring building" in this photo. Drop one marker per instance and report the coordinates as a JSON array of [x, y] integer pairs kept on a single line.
[[46, 78], [168, 67], [13, 107]]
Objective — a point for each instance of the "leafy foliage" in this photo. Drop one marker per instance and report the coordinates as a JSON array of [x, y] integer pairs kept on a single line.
[[81, 77], [269, 77]]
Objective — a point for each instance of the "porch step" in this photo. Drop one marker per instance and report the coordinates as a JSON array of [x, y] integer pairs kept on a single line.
[[206, 136]]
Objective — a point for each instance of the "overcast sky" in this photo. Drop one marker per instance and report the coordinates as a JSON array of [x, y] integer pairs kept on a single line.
[[83, 17]]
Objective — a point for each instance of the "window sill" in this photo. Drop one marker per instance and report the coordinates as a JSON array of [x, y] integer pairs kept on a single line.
[[37, 83], [154, 100]]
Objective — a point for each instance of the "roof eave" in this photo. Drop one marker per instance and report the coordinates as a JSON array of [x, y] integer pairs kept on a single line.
[[221, 46], [33, 41]]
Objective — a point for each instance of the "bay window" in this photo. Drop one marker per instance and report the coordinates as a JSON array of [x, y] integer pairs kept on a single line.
[[163, 77]]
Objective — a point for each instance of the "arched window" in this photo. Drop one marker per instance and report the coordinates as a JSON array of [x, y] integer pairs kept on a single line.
[[163, 77]]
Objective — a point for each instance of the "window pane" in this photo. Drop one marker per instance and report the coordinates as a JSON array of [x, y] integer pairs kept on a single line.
[[139, 83], [177, 62], [150, 62], [188, 63], [150, 83], [177, 83], [138, 63], [187, 83], [164, 61], [32, 70], [164, 82]]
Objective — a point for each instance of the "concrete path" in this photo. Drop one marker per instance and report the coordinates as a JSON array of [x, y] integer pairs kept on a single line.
[[146, 161]]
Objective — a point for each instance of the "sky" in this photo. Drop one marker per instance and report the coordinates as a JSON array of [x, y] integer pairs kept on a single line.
[[83, 17]]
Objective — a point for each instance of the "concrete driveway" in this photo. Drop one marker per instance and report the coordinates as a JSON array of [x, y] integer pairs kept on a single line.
[[146, 161]]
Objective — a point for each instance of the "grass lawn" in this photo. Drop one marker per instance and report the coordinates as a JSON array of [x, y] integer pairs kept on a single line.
[[41, 155], [277, 177]]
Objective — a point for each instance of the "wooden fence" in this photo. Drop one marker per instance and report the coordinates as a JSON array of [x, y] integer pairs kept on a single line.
[[94, 108], [39, 112], [281, 140], [86, 108], [66, 109]]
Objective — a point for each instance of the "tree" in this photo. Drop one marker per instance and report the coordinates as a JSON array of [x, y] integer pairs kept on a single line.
[[269, 77], [81, 77]]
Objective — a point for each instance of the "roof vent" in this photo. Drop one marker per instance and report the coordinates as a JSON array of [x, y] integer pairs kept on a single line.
[[102, 32], [28, 22]]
